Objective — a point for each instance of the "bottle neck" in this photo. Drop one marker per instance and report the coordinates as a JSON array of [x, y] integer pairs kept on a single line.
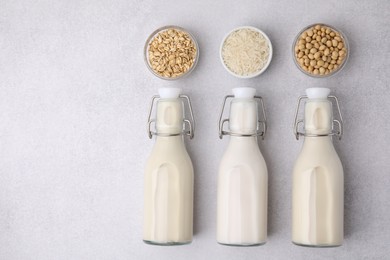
[[243, 140], [316, 141], [243, 116], [170, 139], [170, 116], [169, 145], [318, 116]]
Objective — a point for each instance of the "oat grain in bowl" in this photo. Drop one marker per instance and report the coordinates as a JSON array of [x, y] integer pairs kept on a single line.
[[171, 52], [246, 52], [320, 50]]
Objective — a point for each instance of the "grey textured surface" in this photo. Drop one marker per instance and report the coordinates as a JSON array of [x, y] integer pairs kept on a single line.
[[74, 95]]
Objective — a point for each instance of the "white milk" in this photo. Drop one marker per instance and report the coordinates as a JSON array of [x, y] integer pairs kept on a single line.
[[169, 177], [318, 180], [242, 179]]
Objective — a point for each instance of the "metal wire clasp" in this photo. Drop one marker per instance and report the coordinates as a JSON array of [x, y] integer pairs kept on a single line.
[[190, 122], [259, 132], [339, 123]]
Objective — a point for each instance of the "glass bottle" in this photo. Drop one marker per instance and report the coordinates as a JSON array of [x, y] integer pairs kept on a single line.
[[318, 179], [243, 177], [169, 177]]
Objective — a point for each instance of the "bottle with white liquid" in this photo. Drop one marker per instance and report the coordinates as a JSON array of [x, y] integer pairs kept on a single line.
[[243, 177], [318, 178], [169, 175]]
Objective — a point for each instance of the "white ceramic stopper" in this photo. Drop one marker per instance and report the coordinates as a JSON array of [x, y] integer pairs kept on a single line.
[[244, 92], [169, 92], [317, 93]]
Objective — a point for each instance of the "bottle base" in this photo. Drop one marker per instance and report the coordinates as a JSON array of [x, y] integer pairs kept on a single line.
[[318, 246], [170, 243], [243, 245]]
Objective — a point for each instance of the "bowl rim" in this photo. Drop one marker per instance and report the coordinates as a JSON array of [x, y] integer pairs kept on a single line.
[[342, 65], [154, 34], [269, 56]]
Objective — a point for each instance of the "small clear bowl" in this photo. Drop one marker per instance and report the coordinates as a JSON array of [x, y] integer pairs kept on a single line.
[[153, 35], [339, 68], [269, 56]]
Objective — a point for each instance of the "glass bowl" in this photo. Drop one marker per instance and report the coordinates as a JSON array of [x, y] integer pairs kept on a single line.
[[296, 50], [257, 73], [174, 45]]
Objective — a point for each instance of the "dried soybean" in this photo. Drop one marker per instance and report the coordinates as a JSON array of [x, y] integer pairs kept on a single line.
[[320, 50]]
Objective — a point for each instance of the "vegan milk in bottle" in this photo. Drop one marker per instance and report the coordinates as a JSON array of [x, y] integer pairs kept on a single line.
[[318, 180], [243, 177], [169, 177]]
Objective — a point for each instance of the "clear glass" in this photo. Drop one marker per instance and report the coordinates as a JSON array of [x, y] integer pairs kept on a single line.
[[154, 34], [166, 244], [269, 57], [341, 66]]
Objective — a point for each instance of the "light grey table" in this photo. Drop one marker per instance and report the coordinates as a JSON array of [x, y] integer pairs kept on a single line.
[[74, 96]]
